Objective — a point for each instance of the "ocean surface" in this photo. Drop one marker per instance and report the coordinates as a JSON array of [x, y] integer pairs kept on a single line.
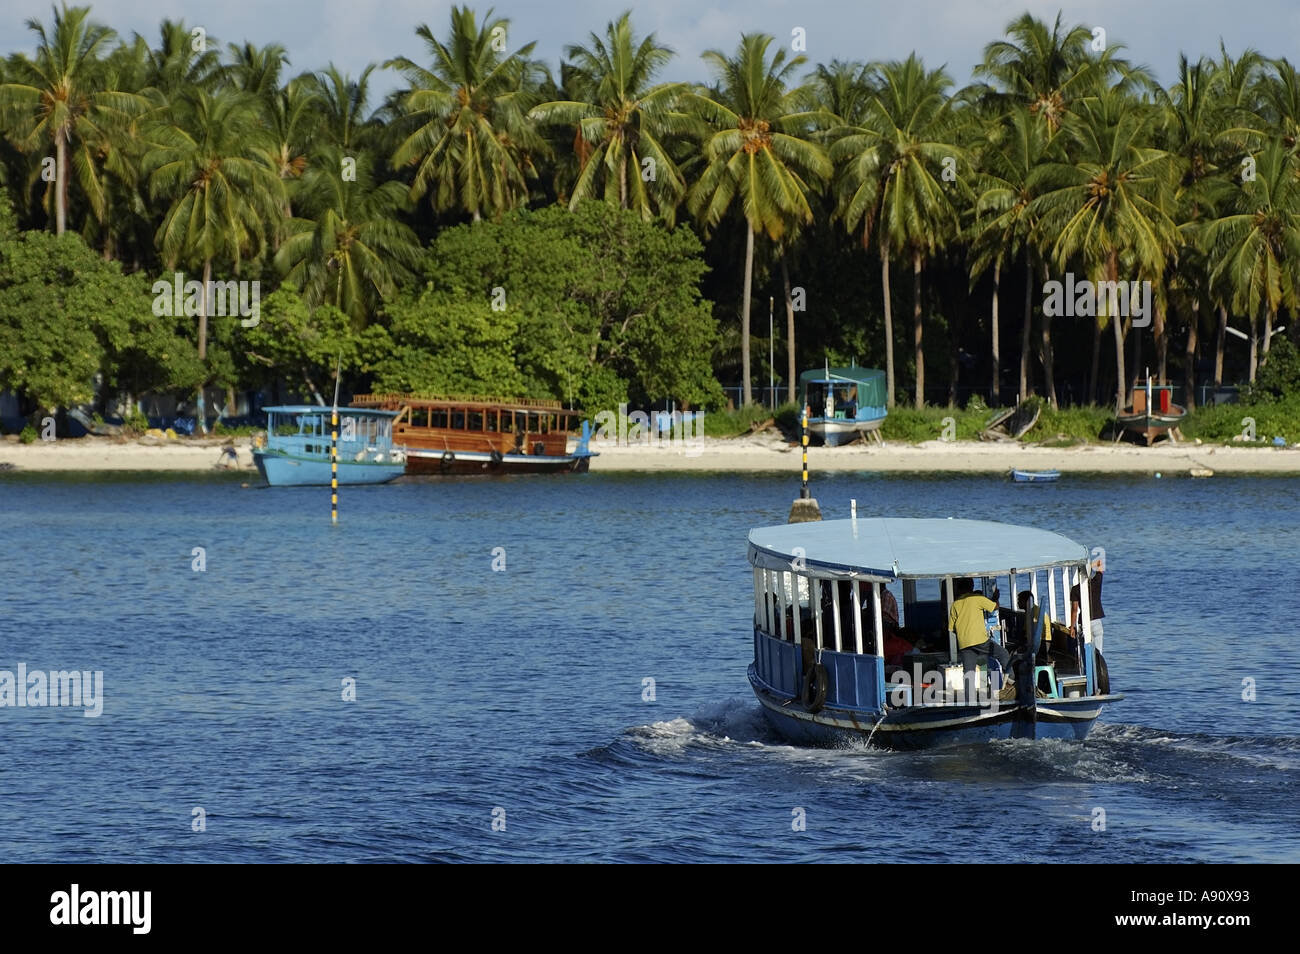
[[500, 714]]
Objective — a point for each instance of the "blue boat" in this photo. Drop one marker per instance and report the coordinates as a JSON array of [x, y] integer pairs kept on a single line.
[[835, 661], [843, 403], [1034, 476], [296, 452]]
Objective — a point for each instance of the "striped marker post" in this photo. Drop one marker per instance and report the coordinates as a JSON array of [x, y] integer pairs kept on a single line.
[[334, 464], [803, 437], [805, 509]]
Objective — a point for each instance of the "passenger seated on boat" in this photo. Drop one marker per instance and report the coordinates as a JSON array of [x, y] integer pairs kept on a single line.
[[966, 619]]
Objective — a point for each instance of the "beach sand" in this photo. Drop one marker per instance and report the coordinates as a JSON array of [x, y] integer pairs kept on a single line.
[[763, 452]]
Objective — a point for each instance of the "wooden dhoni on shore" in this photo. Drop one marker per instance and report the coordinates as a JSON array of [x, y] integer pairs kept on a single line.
[[1151, 413], [484, 435]]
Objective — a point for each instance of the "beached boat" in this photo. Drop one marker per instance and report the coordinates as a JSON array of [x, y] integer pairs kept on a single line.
[[834, 660], [296, 449], [1151, 413], [450, 435], [843, 403], [1034, 476]]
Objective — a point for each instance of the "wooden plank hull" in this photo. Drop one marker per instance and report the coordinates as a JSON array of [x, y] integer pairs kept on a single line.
[[433, 463]]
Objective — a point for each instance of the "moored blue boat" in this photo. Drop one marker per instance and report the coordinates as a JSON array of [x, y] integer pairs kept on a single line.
[[843, 403], [297, 448], [1034, 476], [834, 659]]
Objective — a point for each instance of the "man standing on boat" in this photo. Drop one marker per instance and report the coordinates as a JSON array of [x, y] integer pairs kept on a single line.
[[966, 619], [1096, 569]]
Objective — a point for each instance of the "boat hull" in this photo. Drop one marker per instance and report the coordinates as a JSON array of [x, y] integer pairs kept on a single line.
[[1035, 476], [926, 727], [282, 470], [1150, 426], [435, 463], [834, 433]]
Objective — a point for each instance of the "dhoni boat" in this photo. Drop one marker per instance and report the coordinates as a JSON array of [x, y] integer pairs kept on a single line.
[[1034, 476], [835, 661], [1151, 413], [843, 403], [296, 449]]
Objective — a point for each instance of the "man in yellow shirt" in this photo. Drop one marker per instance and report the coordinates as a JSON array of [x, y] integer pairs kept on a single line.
[[966, 619]]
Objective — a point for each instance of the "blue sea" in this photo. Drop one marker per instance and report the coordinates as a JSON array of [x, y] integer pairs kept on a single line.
[[458, 672]]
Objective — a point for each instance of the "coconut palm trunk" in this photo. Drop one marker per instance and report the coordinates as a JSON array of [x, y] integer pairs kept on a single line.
[[1268, 330], [1024, 331], [747, 391], [1220, 335], [1254, 346], [889, 327], [1121, 391], [1048, 356], [60, 187], [917, 330], [791, 376], [1189, 366], [994, 396], [203, 343]]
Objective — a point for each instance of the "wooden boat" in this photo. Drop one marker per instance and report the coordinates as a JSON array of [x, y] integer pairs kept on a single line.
[[472, 435], [1151, 413], [843, 403], [820, 634], [296, 449], [1034, 476]]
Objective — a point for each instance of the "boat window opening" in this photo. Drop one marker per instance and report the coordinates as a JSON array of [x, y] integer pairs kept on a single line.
[[1051, 594], [769, 614], [458, 420], [780, 606], [797, 632], [438, 417], [815, 603], [879, 617], [475, 421], [837, 614], [758, 597], [491, 420], [857, 617]]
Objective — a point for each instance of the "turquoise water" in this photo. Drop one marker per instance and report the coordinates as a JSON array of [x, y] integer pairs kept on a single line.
[[516, 695]]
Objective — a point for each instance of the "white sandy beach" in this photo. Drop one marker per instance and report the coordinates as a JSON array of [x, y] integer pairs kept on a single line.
[[764, 452]]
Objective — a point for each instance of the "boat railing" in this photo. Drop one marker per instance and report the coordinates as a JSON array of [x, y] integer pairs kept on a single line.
[[395, 399], [795, 612]]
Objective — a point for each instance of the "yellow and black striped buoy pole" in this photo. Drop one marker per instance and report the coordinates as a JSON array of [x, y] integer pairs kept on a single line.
[[334, 465], [805, 509]]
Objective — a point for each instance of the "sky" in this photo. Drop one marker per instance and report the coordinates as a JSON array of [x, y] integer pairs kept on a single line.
[[352, 33]]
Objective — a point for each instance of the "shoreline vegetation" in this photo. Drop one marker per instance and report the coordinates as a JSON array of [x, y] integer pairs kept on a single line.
[[194, 226], [763, 452]]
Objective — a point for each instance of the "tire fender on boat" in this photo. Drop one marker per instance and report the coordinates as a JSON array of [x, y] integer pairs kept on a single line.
[[1101, 675], [448, 458], [815, 684], [496, 457]]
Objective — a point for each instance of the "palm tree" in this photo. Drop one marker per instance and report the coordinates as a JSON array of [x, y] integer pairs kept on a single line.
[[757, 149], [342, 103], [1036, 67], [58, 100], [210, 160], [892, 179], [1110, 199], [1255, 242], [470, 143], [622, 121], [354, 249], [1018, 145]]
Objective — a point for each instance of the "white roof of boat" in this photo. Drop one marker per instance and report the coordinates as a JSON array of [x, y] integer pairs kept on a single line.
[[899, 547]]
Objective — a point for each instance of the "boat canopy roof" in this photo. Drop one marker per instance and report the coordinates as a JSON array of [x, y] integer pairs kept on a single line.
[[870, 382], [326, 409], [908, 548]]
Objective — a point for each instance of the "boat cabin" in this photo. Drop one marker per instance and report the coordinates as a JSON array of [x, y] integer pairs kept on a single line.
[[304, 431], [868, 599], [507, 426]]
